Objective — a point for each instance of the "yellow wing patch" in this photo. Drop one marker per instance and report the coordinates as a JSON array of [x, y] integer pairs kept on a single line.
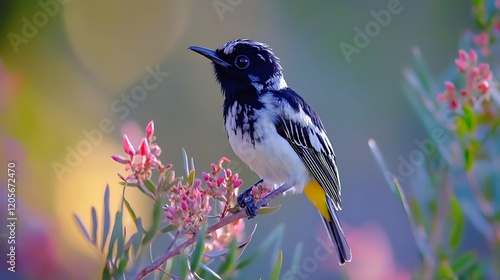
[[317, 196]]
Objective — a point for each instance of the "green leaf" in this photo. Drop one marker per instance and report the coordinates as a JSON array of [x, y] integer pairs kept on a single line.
[[168, 228], [277, 267], [137, 237], [269, 209], [470, 119], [106, 274], [209, 271], [106, 224], [228, 263], [198, 250], [463, 262], [421, 70], [82, 228], [458, 226], [185, 161], [191, 177], [183, 266], [445, 272], [157, 216], [115, 233], [417, 212], [150, 186], [95, 226], [297, 255], [130, 210], [469, 158]]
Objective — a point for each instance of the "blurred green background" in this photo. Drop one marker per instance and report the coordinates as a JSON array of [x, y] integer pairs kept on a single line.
[[67, 66]]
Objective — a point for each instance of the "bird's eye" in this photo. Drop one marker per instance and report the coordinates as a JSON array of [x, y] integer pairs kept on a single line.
[[242, 62]]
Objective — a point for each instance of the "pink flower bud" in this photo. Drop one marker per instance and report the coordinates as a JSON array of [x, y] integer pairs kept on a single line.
[[209, 184], [120, 159], [214, 167], [463, 93], [237, 183], [441, 97], [127, 146], [496, 26], [144, 148], [235, 177], [184, 206], [224, 159], [453, 104], [196, 183], [450, 87], [483, 87], [473, 56], [150, 129], [462, 55], [483, 68], [460, 65], [481, 39], [205, 176], [220, 181], [228, 173]]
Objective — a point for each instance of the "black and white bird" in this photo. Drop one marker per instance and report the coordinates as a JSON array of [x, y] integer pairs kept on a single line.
[[275, 132]]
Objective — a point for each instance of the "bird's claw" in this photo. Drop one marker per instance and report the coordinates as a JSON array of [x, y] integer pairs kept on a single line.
[[251, 209], [241, 199]]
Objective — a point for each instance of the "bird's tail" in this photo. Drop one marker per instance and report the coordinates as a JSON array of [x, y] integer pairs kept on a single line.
[[337, 235]]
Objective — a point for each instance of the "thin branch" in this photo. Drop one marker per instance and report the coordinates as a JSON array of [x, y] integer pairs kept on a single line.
[[223, 222]]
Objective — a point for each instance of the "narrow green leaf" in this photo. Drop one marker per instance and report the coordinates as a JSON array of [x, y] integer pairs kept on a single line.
[[82, 227], [157, 216], [191, 177], [137, 237], [469, 158], [122, 265], [458, 226], [422, 71], [417, 212], [117, 230], [297, 255], [168, 228], [198, 250], [130, 210], [209, 271], [106, 223], [247, 261], [463, 262], [269, 209], [228, 263], [150, 186], [95, 226], [106, 274], [183, 266], [277, 267], [470, 119], [445, 272], [185, 161]]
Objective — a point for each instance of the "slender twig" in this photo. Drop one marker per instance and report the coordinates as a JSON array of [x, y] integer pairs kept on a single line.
[[485, 207], [223, 222]]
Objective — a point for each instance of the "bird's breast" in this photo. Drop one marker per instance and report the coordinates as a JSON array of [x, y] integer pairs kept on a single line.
[[254, 139]]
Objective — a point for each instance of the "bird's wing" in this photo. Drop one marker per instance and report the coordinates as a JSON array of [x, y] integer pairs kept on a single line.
[[302, 128]]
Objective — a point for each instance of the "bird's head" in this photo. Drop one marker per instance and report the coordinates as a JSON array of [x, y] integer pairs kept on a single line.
[[244, 67]]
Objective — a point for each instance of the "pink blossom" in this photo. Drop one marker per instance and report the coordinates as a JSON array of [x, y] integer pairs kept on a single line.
[[127, 146], [150, 129]]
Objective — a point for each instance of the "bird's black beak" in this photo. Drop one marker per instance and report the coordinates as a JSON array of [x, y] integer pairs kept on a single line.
[[210, 54]]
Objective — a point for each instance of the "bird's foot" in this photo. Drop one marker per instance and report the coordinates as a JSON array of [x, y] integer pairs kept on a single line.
[[247, 201]]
